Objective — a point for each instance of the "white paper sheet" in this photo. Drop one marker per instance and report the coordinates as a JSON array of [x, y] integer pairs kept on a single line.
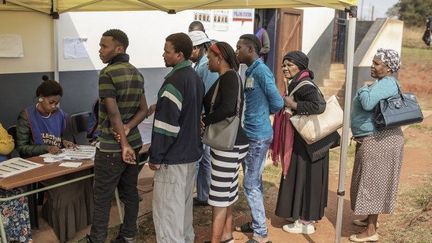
[[83, 152], [11, 46], [71, 164], [15, 166], [74, 48]]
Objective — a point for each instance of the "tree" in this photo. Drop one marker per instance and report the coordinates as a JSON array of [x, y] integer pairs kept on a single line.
[[412, 12], [393, 11]]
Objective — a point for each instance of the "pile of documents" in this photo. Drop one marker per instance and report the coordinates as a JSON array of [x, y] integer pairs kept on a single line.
[[82, 152], [15, 166]]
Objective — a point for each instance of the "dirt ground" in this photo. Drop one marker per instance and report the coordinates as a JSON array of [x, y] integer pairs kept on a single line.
[[416, 165], [415, 77]]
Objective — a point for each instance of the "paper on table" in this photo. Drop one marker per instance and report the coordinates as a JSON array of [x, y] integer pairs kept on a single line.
[[83, 152], [15, 166], [50, 160], [71, 164]]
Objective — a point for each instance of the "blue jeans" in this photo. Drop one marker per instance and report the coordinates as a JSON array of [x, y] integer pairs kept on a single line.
[[204, 175], [253, 166]]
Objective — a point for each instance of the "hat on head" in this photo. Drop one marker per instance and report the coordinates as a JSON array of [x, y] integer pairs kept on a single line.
[[198, 37], [390, 58], [298, 58]]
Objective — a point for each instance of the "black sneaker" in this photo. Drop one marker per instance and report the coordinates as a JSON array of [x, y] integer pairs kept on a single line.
[[199, 203]]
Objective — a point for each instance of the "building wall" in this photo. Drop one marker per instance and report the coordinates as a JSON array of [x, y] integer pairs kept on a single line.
[[318, 25], [388, 35], [36, 31], [315, 24], [19, 77]]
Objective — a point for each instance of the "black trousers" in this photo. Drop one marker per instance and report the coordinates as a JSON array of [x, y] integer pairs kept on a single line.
[[111, 172]]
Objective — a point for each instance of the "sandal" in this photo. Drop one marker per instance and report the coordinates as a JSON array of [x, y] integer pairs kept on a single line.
[[245, 228]]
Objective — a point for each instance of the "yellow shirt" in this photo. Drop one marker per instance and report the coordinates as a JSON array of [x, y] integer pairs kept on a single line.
[[6, 142]]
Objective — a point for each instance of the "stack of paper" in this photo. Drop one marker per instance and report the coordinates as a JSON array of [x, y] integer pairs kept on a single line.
[[15, 166], [83, 152]]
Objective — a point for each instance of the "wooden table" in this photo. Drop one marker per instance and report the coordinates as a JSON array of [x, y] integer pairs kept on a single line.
[[50, 171], [42, 173]]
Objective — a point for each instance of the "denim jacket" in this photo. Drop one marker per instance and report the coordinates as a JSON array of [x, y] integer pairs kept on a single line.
[[262, 98]]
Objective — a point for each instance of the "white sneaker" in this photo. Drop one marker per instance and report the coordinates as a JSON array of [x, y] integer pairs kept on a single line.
[[299, 228]]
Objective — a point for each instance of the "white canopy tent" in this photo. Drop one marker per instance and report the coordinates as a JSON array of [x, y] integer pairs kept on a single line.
[[56, 7]]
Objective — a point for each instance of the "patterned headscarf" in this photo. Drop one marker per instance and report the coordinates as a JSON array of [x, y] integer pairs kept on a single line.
[[390, 58]]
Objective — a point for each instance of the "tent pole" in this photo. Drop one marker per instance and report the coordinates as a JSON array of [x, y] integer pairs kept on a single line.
[[346, 119], [56, 50]]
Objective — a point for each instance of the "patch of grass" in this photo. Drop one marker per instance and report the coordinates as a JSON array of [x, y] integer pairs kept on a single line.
[[335, 158], [412, 220], [414, 55], [415, 126], [412, 37]]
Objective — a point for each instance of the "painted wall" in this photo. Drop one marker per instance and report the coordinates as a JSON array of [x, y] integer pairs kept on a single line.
[[20, 77], [318, 25], [36, 31], [315, 23], [80, 90], [388, 35], [146, 31]]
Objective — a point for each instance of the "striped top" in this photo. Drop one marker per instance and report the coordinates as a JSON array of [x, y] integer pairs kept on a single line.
[[176, 129], [122, 81]]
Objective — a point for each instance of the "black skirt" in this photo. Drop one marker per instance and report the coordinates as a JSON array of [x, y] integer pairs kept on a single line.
[[303, 193]]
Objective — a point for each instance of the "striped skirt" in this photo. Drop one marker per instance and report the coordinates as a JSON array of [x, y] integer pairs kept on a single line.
[[224, 175], [375, 178]]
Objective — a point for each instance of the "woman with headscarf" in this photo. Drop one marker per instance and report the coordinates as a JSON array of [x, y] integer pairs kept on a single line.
[[378, 156], [303, 188]]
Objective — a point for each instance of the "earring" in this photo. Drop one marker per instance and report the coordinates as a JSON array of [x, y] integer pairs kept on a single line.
[[40, 99]]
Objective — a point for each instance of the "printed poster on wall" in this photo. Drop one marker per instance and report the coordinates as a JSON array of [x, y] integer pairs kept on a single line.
[[74, 48], [11, 46], [203, 16], [220, 20], [243, 15]]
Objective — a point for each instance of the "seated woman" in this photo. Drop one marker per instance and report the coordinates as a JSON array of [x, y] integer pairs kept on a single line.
[[15, 213], [39, 130]]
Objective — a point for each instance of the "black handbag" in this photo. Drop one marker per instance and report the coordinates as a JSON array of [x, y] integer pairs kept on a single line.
[[398, 110]]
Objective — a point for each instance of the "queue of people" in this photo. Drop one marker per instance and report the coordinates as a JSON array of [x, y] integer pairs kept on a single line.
[[204, 88]]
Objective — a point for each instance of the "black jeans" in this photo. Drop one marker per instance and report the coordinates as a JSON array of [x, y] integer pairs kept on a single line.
[[111, 172]]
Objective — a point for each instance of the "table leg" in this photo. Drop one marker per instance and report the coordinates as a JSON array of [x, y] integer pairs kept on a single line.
[[33, 209], [2, 230]]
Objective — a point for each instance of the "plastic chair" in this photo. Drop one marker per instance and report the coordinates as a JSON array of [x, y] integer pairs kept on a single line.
[[79, 126]]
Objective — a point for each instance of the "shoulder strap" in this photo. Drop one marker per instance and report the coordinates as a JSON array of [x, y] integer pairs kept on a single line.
[[301, 84], [214, 95], [239, 93], [238, 96]]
